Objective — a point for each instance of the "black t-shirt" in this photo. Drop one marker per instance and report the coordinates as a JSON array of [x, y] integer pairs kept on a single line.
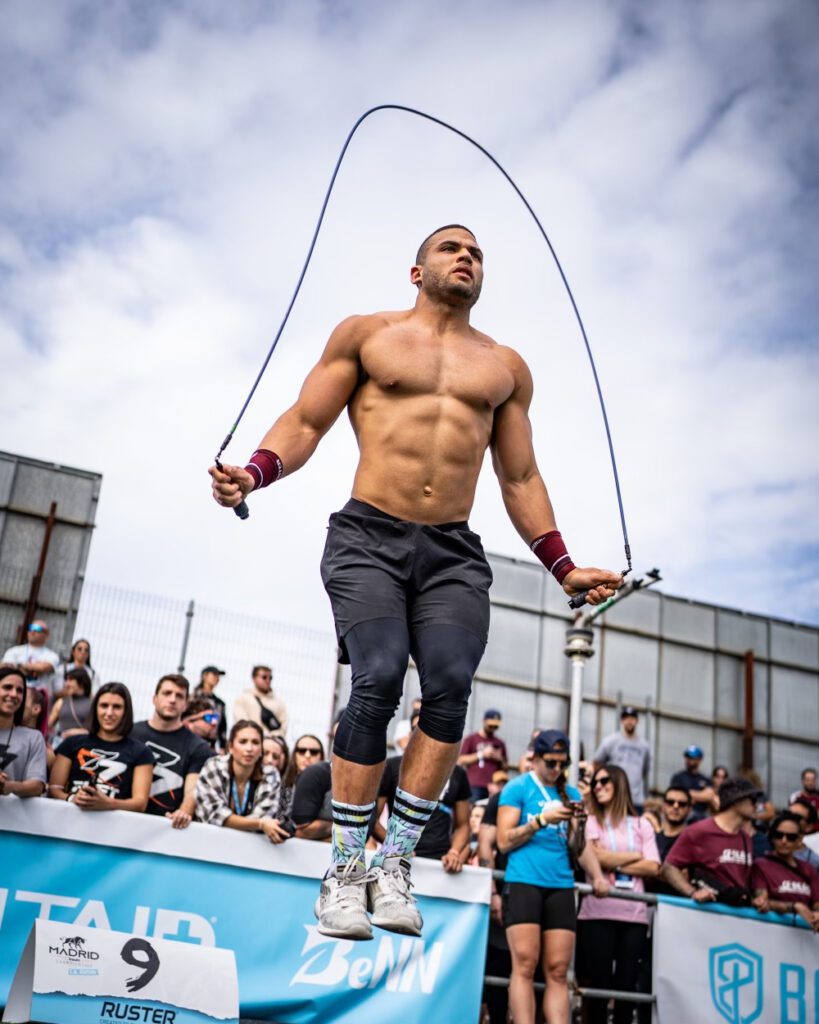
[[435, 838], [312, 798], [106, 764], [176, 754], [490, 817], [659, 885]]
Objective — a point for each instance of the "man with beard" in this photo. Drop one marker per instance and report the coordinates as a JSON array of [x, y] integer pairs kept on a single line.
[[482, 754], [179, 755], [630, 752], [427, 394]]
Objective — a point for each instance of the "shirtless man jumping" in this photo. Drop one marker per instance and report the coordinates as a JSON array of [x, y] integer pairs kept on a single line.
[[426, 394]]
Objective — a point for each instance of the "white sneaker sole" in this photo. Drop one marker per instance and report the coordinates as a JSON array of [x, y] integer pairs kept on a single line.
[[360, 932], [402, 926]]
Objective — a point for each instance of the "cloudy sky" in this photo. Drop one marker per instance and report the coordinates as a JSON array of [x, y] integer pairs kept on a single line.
[[161, 170]]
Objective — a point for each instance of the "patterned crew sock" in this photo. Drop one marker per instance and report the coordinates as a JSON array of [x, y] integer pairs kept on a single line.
[[409, 815], [350, 826]]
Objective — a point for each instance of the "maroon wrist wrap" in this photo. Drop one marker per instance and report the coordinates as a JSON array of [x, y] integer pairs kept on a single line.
[[551, 550], [265, 467]]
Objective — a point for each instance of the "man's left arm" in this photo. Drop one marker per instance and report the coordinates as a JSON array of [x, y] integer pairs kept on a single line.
[[524, 492], [183, 815]]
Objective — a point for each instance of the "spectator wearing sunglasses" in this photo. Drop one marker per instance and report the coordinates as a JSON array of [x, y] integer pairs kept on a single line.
[[236, 790], [806, 813], [209, 679], [785, 884], [612, 933], [310, 776], [34, 659], [259, 704], [202, 719]]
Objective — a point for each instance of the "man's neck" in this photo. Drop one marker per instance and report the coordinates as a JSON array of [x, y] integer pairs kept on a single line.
[[670, 829], [728, 821], [441, 317], [165, 724], [260, 691]]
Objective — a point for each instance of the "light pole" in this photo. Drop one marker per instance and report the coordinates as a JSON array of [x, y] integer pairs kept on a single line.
[[580, 647]]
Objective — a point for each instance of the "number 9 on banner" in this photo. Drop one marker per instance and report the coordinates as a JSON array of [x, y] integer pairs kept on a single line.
[[150, 964]]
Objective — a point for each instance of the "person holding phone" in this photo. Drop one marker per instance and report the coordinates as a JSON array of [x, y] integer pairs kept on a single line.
[[540, 826], [612, 932], [105, 769]]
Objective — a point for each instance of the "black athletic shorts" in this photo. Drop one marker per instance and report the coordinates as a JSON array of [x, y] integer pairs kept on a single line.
[[376, 566], [534, 904]]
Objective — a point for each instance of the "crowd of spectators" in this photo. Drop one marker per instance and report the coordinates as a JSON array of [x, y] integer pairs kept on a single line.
[[709, 838]]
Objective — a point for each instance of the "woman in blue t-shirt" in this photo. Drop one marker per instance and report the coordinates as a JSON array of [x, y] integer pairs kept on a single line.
[[540, 819]]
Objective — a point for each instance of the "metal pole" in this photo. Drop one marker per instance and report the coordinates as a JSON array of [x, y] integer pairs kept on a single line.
[[37, 579], [578, 650], [748, 725], [186, 636]]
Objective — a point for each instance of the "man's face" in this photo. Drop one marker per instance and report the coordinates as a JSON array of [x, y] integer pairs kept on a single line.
[[692, 764], [204, 725], [809, 782], [676, 805], [746, 807], [452, 269], [170, 702], [491, 726], [37, 633], [263, 680], [629, 724], [11, 694], [802, 815]]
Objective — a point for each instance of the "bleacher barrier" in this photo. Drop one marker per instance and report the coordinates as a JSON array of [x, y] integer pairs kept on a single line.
[[134, 873]]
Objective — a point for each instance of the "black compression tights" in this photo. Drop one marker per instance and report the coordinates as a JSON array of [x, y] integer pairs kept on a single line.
[[447, 658]]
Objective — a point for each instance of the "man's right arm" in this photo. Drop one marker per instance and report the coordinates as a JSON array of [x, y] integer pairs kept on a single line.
[[296, 433]]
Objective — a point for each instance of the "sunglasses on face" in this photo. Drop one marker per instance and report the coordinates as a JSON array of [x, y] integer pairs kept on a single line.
[[790, 837], [313, 751], [553, 762], [678, 803], [37, 629], [602, 780]]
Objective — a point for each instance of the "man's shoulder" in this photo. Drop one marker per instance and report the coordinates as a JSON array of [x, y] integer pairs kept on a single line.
[[142, 729], [514, 790]]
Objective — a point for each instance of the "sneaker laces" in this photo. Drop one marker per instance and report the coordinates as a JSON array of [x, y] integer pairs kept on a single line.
[[349, 883], [396, 881]]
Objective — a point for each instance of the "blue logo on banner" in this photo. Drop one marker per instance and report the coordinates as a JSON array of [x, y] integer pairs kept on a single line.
[[735, 974]]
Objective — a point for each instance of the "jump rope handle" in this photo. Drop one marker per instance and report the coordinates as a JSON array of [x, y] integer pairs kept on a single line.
[[241, 510], [578, 600]]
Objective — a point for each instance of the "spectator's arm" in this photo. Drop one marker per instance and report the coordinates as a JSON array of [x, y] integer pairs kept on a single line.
[[642, 869], [38, 668], [677, 880], [242, 824], [183, 815], [702, 796], [610, 860], [281, 714], [24, 789], [453, 859], [767, 813], [591, 865], [487, 838], [90, 799], [55, 713], [317, 829], [467, 759], [58, 780], [379, 832]]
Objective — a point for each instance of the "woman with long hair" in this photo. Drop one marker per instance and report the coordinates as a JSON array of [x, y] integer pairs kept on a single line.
[[307, 750], [540, 824], [612, 931], [79, 657], [277, 755], [71, 713], [788, 885], [104, 769], [22, 749], [237, 790]]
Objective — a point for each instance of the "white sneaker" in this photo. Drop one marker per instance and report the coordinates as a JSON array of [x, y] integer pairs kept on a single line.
[[341, 908], [391, 904]]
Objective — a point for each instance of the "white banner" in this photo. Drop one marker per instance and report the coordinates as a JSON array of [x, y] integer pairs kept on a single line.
[[715, 964]]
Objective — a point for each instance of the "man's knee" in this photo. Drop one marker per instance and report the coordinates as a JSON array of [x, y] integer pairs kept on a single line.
[[449, 657]]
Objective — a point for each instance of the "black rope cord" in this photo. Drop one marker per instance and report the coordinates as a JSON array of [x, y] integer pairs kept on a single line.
[[242, 510]]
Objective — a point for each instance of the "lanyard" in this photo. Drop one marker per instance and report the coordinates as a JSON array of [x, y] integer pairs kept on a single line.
[[629, 832], [540, 786], [242, 811]]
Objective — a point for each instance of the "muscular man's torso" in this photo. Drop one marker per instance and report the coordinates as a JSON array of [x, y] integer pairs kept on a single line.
[[423, 415]]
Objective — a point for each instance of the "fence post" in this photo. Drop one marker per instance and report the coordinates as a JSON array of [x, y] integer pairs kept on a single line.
[[186, 636]]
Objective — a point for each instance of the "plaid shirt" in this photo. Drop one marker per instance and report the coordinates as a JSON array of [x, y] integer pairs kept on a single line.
[[213, 793]]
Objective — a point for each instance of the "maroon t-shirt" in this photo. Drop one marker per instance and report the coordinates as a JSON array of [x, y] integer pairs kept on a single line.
[[481, 774], [726, 856], [791, 885]]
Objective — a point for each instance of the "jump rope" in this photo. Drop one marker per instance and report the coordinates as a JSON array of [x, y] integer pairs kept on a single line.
[[242, 510]]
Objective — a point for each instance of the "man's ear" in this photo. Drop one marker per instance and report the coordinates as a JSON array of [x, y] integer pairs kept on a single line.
[[415, 275]]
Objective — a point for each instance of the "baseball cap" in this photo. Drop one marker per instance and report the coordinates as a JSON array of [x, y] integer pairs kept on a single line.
[[492, 716], [629, 711], [551, 741], [213, 668], [736, 789], [693, 751]]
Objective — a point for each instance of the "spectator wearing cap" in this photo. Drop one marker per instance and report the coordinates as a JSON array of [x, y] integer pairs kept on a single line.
[[446, 835], [808, 793], [806, 813], [629, 752], [34, 659], [22, 750], [208, 681], [612, 933], [71, 714], [259, 704], [697, 785], [482, 754], [202, 719], [540, 820], [787, 885], [717, 852]]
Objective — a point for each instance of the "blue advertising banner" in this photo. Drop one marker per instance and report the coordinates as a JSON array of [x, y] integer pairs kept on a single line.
[[133, 873]]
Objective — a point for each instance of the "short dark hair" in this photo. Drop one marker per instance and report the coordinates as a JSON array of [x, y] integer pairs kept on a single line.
[[79, 675], [423, 248], [784, 816], [812, 813], [119, 690], [176, 679], [260, 668], [805, 772], [10, 670], [677, 789], [197, 706]]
